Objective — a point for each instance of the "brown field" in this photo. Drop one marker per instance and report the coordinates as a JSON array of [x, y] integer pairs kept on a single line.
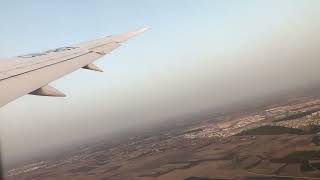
[[208, 150]]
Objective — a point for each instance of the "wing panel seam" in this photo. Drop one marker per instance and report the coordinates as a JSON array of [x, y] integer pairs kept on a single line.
[[44, 66]]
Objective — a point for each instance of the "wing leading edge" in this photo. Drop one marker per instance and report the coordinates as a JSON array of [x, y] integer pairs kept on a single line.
[[32, 73]]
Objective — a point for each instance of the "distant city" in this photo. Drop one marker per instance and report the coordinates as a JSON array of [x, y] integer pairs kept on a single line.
[[277, 140]]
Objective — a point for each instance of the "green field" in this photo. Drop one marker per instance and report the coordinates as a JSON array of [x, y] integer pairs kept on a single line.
[[270, 130]]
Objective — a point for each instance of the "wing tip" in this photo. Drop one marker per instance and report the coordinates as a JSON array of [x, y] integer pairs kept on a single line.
[[138, 31], [142, 30], [124, 37]]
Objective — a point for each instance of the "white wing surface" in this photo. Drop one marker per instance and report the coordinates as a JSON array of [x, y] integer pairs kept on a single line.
[[32, 73]]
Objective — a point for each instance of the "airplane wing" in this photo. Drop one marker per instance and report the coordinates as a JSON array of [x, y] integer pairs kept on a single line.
[[32, 73]]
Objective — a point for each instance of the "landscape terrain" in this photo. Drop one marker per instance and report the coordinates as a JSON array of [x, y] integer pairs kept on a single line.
[[275, 138]]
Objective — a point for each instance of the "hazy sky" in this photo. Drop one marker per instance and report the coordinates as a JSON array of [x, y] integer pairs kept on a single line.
[[196, 55]]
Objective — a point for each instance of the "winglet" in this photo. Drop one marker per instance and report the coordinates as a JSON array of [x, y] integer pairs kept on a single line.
[[124, 37]]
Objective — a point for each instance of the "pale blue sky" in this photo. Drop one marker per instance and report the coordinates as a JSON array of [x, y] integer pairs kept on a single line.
[[175, 68]]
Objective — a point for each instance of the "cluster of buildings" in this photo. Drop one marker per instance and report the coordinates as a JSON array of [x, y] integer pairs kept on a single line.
[[296, 116], [226, 129], [304, 122], [300, 115]]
